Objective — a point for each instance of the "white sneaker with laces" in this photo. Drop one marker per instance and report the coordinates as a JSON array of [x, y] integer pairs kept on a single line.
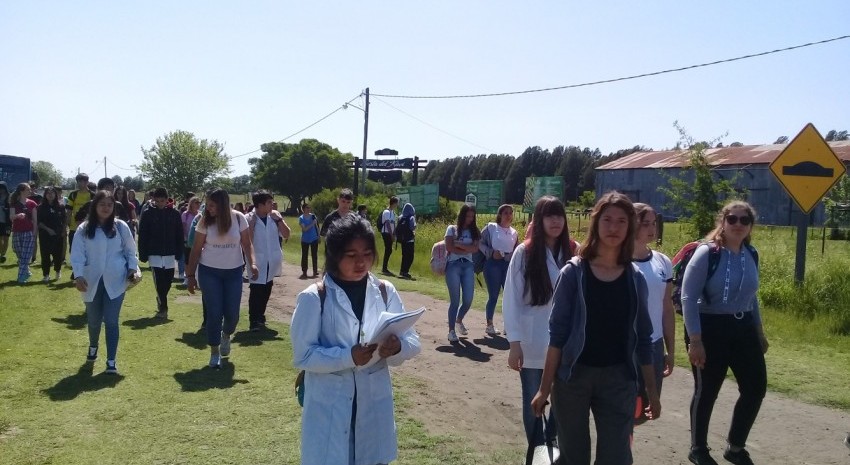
[[460, 328], [492, 331], [453, 336], [225, 345]]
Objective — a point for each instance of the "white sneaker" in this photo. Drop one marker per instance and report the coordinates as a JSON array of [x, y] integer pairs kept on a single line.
[[492, 331], [225, 345], [460, 328], [45, 279], [453, 336], [58, 275]]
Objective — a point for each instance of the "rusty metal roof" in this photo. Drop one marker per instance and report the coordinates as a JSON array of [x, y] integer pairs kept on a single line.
[[745, 155]]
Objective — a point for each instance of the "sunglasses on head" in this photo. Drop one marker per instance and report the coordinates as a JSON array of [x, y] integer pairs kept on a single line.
[[745, 220]]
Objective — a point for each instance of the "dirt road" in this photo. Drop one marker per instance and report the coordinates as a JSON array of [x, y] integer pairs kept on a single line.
[[469, 391]]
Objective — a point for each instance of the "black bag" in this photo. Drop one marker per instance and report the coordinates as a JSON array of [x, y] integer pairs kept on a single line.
[[379, 223], [403, 233], [545, 454]]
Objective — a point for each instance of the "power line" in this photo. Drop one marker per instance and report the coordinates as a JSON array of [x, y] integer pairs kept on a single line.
[[624, 78], [341, 107], [119, 167], [431, 125]]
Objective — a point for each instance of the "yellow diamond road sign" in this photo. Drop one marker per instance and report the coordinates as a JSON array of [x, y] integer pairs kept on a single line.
[[807, 168]]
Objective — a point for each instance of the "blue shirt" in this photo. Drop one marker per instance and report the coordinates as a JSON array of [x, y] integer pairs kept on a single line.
[[311, 235]]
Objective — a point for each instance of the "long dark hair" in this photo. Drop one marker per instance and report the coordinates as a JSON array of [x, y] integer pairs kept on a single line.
[[537, 282], [44, 201], [590, 250], [461, 219], [222, 218], [16, 195], [343, 231], [92, 219]]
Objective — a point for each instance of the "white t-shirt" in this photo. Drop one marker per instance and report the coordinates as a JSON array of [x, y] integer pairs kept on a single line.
[[502, 239], [658, 271], [464, 238], [388, 221], [223, 251]]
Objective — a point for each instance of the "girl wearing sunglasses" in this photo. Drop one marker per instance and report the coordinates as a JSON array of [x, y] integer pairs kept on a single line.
[[724, 330]]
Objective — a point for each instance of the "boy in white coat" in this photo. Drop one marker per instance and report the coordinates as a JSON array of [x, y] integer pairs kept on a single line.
[[266, 225]]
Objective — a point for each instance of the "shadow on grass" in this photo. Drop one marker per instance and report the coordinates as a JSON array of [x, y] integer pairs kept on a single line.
[[59, 287], [74, 321], [247, 338], [206, 378], [465, 348], [196, 340], [494, 342], [70, 387], [145, 322]]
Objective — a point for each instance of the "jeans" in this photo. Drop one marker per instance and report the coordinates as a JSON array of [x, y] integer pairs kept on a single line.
[[407, 251], [530, 379], [658, 365], [729, 343], [258, 299], [221, 291], [181, 265], [495, 273], [52, 252], [459, 276], [388, 248], [162, 278], [104, 311], [313, 248], [608, 392]]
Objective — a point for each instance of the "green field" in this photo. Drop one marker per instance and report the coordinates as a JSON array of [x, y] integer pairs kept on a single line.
[[169, 408]]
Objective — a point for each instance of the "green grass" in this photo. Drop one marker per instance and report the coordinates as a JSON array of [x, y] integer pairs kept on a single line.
[[167, 407]]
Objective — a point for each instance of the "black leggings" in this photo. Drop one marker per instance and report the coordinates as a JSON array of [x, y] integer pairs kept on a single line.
[[406, 257], [162, 278], [729, 343], [313, 247], [52, 252], [388, 248]]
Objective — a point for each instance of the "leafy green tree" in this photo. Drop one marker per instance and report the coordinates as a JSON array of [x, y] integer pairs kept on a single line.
[[834, 135], [696, 192], [135, 183], [45, 174], [180, 162], [301, 170]]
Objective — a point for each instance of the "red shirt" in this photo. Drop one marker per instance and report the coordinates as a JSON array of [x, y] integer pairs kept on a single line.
[[25, 224]]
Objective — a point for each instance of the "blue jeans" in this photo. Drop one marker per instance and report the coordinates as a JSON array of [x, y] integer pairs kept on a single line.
[[181, 265], [459, 275], [221, 291], [530, 379], [495, 273], [104, 311]]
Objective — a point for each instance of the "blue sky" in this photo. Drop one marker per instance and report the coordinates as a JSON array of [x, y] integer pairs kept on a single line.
[[80, 81]]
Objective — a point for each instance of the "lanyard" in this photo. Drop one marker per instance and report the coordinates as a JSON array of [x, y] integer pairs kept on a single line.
[[728, 274]]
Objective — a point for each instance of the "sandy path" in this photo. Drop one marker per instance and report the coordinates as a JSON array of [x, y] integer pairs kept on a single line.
[[469, 392]]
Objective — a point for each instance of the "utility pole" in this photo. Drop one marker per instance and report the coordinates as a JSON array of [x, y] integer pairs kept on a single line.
[[365, 139], [104, 168]]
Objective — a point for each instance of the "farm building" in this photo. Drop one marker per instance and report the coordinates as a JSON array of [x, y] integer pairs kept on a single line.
[[638, 175]]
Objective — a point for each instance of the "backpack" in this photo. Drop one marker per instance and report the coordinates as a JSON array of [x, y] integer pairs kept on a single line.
[[403, 233], [683, 258], [439, 258], [320, 286], [379, 222]]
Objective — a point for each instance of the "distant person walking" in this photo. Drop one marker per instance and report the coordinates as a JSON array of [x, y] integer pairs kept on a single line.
[[309, 239], [658, 271], [461, 242], [266, 225], [724, 330], [104, 261], [221, 240], [161, 245], [388, 220], [76, 200], [24, 214], [5, 221], [527, 304], [498, 241], [343, 202], [187, 218], [405, 233], [51, 231]]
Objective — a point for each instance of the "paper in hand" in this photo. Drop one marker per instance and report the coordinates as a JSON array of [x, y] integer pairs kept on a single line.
[[394, 323]]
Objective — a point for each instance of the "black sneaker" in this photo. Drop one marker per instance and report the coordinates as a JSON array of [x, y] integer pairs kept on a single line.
[[2, 259], [92, 355], [741, 457], [700, 456], [255, 328]]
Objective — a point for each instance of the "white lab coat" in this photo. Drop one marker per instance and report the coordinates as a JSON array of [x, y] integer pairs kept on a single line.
[[524, 323], [267, 250], [321, 345], [103, 257]]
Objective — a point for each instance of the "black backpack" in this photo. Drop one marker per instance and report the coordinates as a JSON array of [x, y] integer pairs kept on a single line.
[[379, 222], [403, 233], [683, 258]]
